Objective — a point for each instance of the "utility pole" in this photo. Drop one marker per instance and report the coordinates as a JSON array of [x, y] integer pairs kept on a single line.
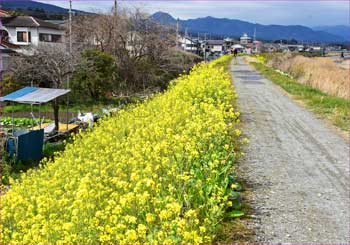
[[198, 43], [70, 54], [177, 33], [254, 34], [70, 27], [205, 47], [115, 25]]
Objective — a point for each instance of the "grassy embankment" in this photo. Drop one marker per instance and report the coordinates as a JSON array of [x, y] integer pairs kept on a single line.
[[330, 107], [236, 230], [158, 172]]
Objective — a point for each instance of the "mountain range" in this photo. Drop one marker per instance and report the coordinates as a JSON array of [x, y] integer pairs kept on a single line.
[[25, 4], [235, 28], [217, 27], [339, 30]]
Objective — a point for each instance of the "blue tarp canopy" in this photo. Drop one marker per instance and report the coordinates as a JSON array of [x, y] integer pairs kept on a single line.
[[34, 95]]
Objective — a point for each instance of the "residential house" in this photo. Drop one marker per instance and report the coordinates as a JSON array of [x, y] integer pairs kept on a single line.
[[214, 46], [30, 32], [228, 44], [188, 44], [292, 47], [7, 51], [245, 39], [257, 46], [270, 47], [313, 48], [134, 43]]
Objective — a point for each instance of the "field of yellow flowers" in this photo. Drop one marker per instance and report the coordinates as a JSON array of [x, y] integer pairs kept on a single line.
[[156, 172]]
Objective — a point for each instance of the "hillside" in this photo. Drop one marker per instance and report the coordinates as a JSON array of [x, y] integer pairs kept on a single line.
[[235, 28], [29, 4], [339, 30], [36, 9]]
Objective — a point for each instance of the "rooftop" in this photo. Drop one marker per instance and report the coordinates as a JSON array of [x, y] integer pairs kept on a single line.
[[27, 21], [215, 42], [34, 95], [4, 13], [245, 36]]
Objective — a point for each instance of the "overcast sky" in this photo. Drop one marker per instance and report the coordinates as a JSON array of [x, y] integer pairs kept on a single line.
[[309, 13]]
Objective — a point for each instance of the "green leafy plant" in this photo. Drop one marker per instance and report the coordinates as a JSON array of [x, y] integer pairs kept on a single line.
[[22, 122]]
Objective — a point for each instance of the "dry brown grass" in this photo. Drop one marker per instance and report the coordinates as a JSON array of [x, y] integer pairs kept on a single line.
[[318, 72], [345, 64]]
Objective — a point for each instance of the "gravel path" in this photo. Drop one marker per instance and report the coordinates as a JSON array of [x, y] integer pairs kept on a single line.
[[298, 168]]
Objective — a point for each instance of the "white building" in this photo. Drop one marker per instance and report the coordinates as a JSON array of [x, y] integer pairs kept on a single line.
[[215, 46], [133, 43], [228, 43], [188, 44], [245, 39], [27, 31]]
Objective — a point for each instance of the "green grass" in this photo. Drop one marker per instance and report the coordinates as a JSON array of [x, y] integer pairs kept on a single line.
[[225, 64], [13, 169], [91, 105], [333, 108]]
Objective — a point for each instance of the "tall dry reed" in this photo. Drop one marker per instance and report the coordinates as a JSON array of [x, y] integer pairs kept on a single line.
[[318, 72]]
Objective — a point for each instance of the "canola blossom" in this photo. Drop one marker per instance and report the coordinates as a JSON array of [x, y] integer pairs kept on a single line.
[[153, 173]]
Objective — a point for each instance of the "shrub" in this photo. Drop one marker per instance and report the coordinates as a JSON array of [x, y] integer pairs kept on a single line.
[[94, 76], [157, 172]]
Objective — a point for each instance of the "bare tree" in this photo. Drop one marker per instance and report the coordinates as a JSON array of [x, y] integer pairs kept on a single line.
[[138, 44], [143, 52], [49, 66]]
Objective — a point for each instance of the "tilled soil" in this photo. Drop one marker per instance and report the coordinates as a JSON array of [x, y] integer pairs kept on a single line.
[[297, 166]]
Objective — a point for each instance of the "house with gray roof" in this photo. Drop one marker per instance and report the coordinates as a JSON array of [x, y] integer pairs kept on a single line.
[[27, 31], [214, 46]]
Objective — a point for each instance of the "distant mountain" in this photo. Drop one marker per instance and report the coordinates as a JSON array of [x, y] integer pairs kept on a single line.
[[235, 28], [340, 30], [32, 6], [164, 18]]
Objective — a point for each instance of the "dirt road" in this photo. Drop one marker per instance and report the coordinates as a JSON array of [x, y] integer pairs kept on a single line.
[[298, 168]]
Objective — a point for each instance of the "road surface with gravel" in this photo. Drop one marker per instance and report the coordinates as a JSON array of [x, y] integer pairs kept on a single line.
[[298, 167]]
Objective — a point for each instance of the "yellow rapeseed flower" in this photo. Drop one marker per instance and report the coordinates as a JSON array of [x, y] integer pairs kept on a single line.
[[155, 172]]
